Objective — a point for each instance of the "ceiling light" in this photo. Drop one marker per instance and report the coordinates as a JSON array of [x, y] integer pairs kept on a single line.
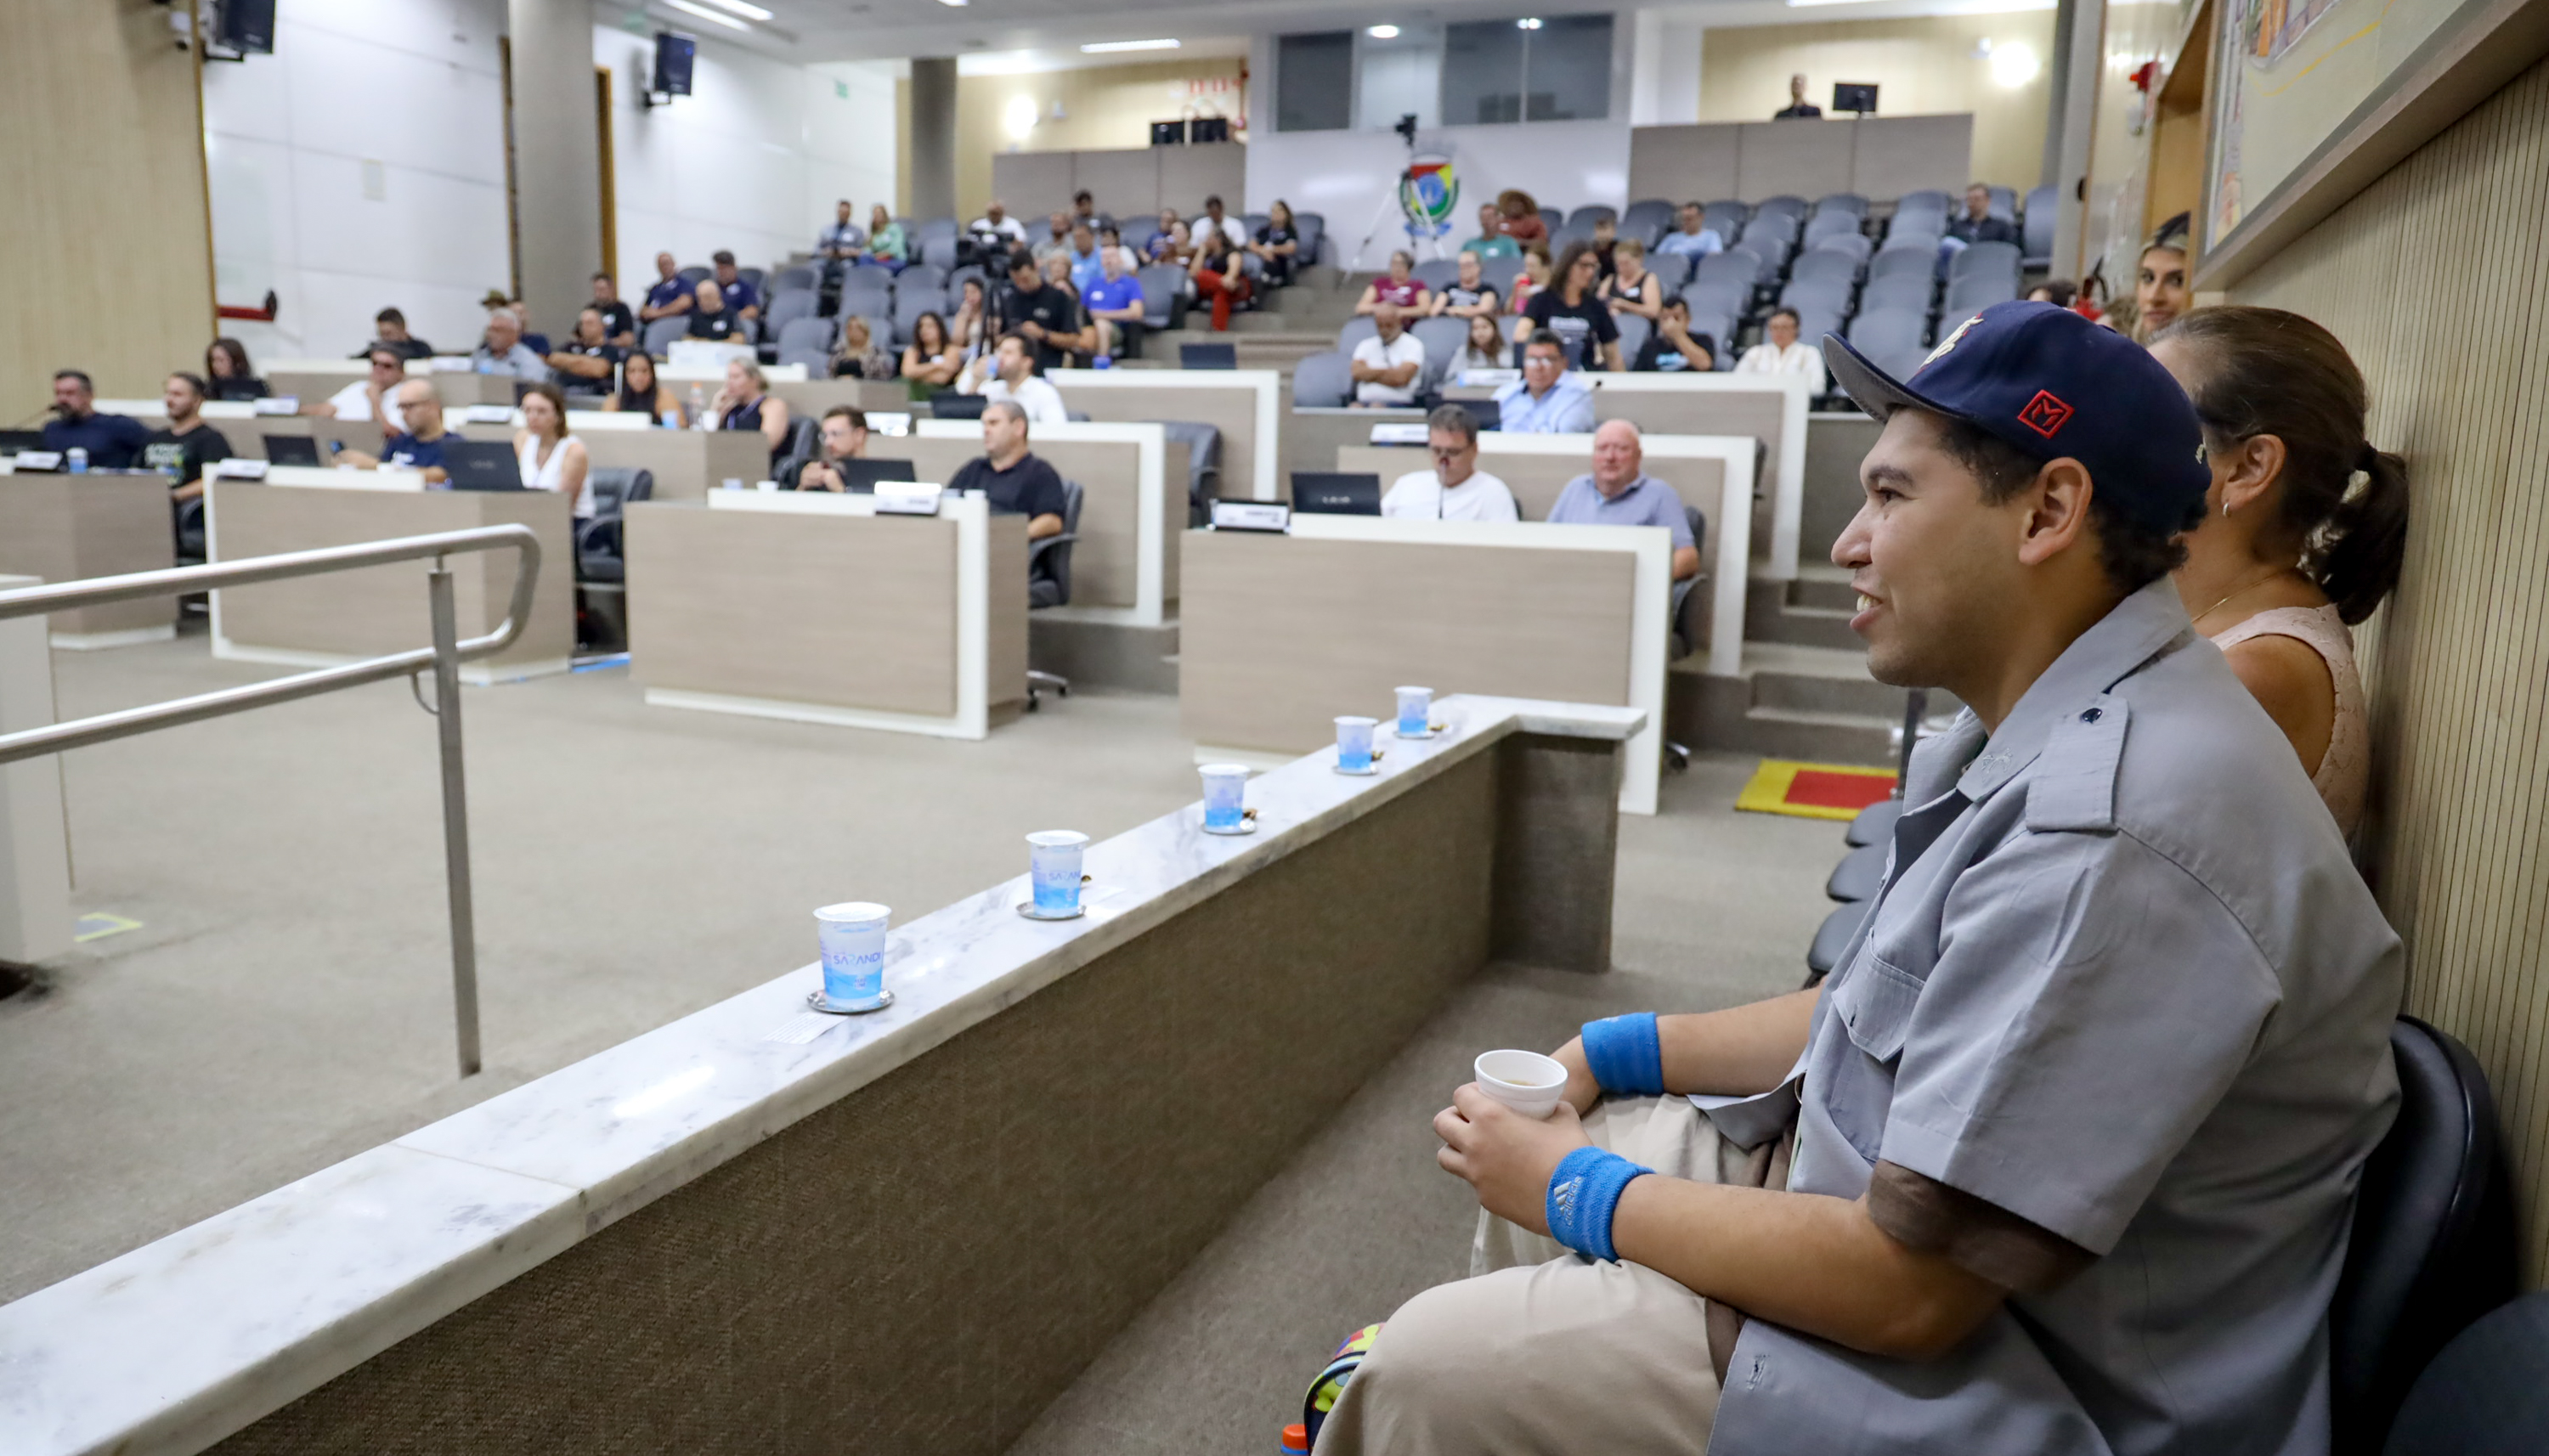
[[704, 13], [1020, 116], [1528, 23], [748, 12], [1099, 48], [1383, 33], [959, 3], [2014, 63]]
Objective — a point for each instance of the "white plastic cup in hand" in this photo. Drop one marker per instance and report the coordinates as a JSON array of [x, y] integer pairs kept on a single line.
[[1415, 712], [852, 937], [1053, 870], [1225, 785], [1354, 744], [1524, 1081]]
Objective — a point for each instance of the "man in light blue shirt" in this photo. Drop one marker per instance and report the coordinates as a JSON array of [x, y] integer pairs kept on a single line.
[[1694, 237], [1088, 267], [1620, 493], [1544, 401], [504, 352]]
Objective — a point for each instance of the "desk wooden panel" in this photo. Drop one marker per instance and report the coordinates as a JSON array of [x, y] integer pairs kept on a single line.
[[70, 527], [314, 386], [247, 436], [382, 609], [811, 396], [1106, 559], [456, 389], [1536, 480], [1312, 437], [1713, 413], [1232, 410], [688, 463], [1281, 634]]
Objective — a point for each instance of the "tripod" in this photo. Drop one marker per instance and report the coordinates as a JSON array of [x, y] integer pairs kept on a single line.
[[1406, 129]]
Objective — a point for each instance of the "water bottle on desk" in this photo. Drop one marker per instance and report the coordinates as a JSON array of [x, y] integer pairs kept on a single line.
[[699, 409], [75, 460]]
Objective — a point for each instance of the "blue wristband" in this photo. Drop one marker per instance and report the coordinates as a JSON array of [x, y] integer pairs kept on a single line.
[[1583, 1193], [1626, 1054]]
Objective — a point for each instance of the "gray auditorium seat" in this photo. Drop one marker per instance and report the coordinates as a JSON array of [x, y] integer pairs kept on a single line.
[[660, 334], [1833, 938], [1633, 331], [694, 275], [1887, 330], [1671, 270], [1441, 338], [1592, 213], [1872, 822], [1647, 219], [1906, 292], [2037, 228], [1355, 330], [1322, 382], [1822, 267], [1313, 228], [1790, 206], [1850, 203], [1976, 292], [1904, 262], [1828, 224], [800, 276], [2003, 204], [1992, 259], [1727, 215], [1731, 266], [807, 340], [910, 303], [1552, 219], [1931, 200], [784, 306], [1860, 871], [1437, 274], [1164, 295], [939, 252], [1722, 296], [1858, 245]]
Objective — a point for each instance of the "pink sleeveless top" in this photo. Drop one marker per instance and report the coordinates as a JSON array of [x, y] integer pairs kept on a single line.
[[2348, 765]]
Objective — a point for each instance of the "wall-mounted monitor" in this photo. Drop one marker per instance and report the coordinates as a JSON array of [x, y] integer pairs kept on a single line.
[[1208, 128], [1168, 134], [1858, 96], [244, 26], [673, 55]]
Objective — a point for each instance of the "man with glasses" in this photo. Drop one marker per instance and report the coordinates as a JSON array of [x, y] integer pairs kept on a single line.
[[1544, 401], [366, 397], [1454, 489], [416, 447]]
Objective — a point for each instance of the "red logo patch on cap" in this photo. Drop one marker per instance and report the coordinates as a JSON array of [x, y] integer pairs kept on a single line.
[[2044, 414]]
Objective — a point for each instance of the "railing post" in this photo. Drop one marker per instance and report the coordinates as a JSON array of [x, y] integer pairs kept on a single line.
[[455, 815]]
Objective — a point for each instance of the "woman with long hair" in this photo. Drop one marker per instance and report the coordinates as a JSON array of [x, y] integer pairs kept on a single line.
[[226, 369], [2304, 531], [1571, 309], [859, 355], [1399, 286], [931, 359], [746, 404], [1484, 349], [966, 330], [1521, 216], [551, 459], [642, 393]]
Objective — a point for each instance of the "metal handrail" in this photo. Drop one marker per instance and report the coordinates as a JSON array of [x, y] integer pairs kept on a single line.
[[444, 658]]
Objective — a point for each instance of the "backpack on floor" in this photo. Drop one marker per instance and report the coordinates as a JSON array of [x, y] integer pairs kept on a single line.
[[1331, 1383]]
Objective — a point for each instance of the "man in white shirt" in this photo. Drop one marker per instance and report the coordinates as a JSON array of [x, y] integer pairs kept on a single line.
[[997, 222], [1014, 379], [1780, 353], [1454, 489], [1694, 237], [1385, 367], [1213, 233], [363, 399]]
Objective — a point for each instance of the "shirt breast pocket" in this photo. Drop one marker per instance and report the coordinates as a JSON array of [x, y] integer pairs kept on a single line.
[[1875, 1004]]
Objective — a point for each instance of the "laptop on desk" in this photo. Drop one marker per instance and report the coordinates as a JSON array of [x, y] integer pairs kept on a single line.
[[13, 440], [1335, 493], [291, 450], [481, 465], [860, 477], [950, 405]]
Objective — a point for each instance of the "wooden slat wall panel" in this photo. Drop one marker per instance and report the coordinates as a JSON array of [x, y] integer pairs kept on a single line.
[[2430, 278]]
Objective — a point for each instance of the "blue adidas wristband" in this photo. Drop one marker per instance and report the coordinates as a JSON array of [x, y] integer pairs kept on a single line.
[[1583, 1193], [1626, 1054]]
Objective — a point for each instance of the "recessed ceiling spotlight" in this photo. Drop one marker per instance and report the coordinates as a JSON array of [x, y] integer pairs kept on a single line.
[[1528, 23], [1099, 48], [1383, 33], [958, 3], [748, 12], [717, 17]]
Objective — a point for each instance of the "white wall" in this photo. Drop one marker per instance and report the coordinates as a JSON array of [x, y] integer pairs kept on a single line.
[[1346, 175], [752, 160], [408, 91]]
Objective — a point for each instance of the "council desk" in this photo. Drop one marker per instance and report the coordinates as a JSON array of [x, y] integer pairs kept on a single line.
[[69, 528]]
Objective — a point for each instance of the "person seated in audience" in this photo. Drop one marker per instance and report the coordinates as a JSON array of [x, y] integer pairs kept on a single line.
[[1606, 237], [668, 295], [1454, 489], [1278, 244], [1572, 309], [1397, 288], [1529, 279], [741, 298], [550, 458], [997, 228], [1087, 263], [1112, 240], [1798, 105], [1692, 237], [1619, 493], [111, 440], [860, 354], [1013, 480], [1544, 401], [2077, 1127], [1631, 288], [1115, 308], [1012, 377], [1672, 347], [1057, 240], [2160, 293], [1491, 242], [589, 359], [1163, 227], [2292, 550], [1518, 218], [1057, 274], [2059, 292], [418, 445], [844, 431], [967, 330], [187, 445], [747, 404], [642, 393], [1484, 349], [388, 327], [1976, 223], [931, 359], [1218, 273], [1171, 246], [1385, 366], [1471, 295], [368, 398], [711, 320], [886, 243], [1084, 209], [841, 242], [619, 325], [1779, 351], [1217, 231], [1049, 317], [503, 351], [227, 370]]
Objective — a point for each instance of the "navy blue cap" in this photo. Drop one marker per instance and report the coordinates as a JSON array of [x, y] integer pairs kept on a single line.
[[2054, 384]]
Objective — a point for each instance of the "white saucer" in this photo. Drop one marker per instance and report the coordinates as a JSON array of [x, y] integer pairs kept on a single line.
[[1355, 772], [1246, 826], [819, 1002], [1027, 908]]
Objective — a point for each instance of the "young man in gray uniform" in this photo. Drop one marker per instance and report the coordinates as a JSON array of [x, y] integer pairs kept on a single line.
[[2078, 1119]]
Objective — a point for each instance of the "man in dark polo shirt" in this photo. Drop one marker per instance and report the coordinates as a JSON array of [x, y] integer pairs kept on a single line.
[[668, 295], [112, 441], [187, 446], [590, 359], [1050, 319], [1010, 475]]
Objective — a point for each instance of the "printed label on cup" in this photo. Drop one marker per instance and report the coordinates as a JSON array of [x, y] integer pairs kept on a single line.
[[1053, 870], [1224, 787], [852, 936]]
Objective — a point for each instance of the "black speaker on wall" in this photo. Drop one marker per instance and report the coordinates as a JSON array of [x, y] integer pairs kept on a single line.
[[674, 52], [1168, 134], [1208, 128], [244, 26]]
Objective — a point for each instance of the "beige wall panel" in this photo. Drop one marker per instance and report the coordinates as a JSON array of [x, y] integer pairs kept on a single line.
[[2457, 663], [846, 612], [1124, 182], [1910, 154], [1279, 634], [1032, 184], [106, 227], [69, 528], [1536, 480], [1683, 163], [1803, 157], [688, 463], [1005, 661], [1189, 174]]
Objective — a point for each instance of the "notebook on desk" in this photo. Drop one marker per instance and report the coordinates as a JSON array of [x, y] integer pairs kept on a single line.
[[481, 465], [1335, 493]]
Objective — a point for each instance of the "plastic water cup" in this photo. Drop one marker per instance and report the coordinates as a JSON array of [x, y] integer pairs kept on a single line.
[[1354, 744], [1053, 870], [1224, 785], [1524, 1081], [853, 941], [1415, 712]]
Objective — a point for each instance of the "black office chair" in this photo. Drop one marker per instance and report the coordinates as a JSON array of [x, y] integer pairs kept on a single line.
[[1874, 822], [601, 564], [804, 443], [1049, 582], [2487, 1393], [1831, 938], [2433, 1241], [1858, 876], [1686, 634]]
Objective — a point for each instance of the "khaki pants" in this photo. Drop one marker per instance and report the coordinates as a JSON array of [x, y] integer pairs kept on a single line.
[[1543, 1350]]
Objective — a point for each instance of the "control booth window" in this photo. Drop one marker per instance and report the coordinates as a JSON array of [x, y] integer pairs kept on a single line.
[[1533, 68], [1314, 82]]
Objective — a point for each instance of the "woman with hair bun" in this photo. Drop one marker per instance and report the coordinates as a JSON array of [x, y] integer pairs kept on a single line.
[[2304, 531]]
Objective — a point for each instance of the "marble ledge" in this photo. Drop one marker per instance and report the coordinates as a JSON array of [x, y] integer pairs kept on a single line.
[[178, 1343]]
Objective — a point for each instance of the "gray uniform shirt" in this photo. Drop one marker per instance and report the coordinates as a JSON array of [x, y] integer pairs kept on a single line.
[[1646, 502], [2123, 983]]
